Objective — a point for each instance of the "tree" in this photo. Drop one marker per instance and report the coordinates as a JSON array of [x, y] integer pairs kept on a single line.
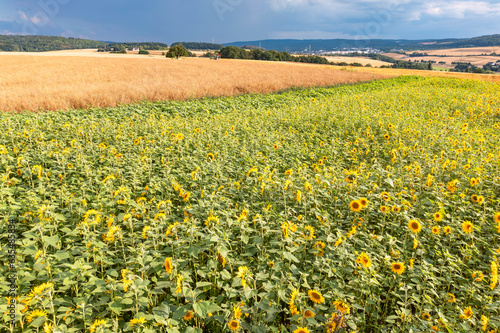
[[177, 51], [233, 52]]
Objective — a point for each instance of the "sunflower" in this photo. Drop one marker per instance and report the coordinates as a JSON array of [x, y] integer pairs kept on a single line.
[[168, 265], [342, 307], [135, 321], [474, 198], [494, 275], [364, 260], [467, 313], [319, 245], [398, 267], [364, 202], [496, 217], [438, 216], [35, 314], [210, 157], [477, 276], [467, 227], [385, 196], [484, 322], [435, 230], [447, 230], [452, 298], [316, 296], [384, 209], [299, 195], [237, 312], [308, 232], [396, 209], [188, 316], [355, 206], [480, 199], [426, 316], [301, 330], [308, 314], [284, 228], [414, 226]]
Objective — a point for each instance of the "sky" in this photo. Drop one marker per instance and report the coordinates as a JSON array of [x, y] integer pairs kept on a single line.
[[223, 21]]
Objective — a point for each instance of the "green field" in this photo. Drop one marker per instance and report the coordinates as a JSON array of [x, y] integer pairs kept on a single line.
[[376, 205]]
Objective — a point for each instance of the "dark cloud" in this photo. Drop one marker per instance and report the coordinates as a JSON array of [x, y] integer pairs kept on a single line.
[[232, 20]]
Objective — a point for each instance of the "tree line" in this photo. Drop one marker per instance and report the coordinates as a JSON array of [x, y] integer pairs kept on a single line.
[[18, 43], [233, 52], [13, 43]]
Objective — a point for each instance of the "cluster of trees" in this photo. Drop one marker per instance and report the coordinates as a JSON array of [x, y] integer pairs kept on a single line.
[[418, 54], [492, 68], [199, 46], [15, 43], [178, 50], [467, 67], [233, 52], [410, 65], [144, 46]]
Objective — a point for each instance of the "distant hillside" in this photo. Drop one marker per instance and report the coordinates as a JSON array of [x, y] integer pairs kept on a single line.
[[45, 43], [52, 43], [16, 43], [300, 45]]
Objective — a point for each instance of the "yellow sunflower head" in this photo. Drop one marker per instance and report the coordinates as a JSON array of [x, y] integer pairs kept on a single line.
[[414, 226], [301, 330], [385, 196], [309, 314], [398, 267], [234, 325], [364, 202], [467, 313], [355, 206], [467, 227], [496, 217], [438, 216], [364, 260], [426, 316], [435, 230], [316, 296]]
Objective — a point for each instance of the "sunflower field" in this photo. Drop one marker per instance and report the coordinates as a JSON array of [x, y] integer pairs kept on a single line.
[[372, 207]]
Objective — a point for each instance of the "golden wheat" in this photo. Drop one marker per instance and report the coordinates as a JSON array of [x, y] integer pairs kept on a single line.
[[30, 82]]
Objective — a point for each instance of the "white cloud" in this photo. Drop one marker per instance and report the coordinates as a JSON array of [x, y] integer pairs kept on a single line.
[[35, 20], [23, 15], [455, 9]]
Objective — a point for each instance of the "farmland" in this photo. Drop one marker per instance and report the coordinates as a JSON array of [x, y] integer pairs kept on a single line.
[[77, 79], [372, 205], [62, 80], [477, 56]]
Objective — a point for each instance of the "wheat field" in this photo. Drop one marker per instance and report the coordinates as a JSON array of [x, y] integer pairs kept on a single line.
[[33, 82], [78, 79]]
